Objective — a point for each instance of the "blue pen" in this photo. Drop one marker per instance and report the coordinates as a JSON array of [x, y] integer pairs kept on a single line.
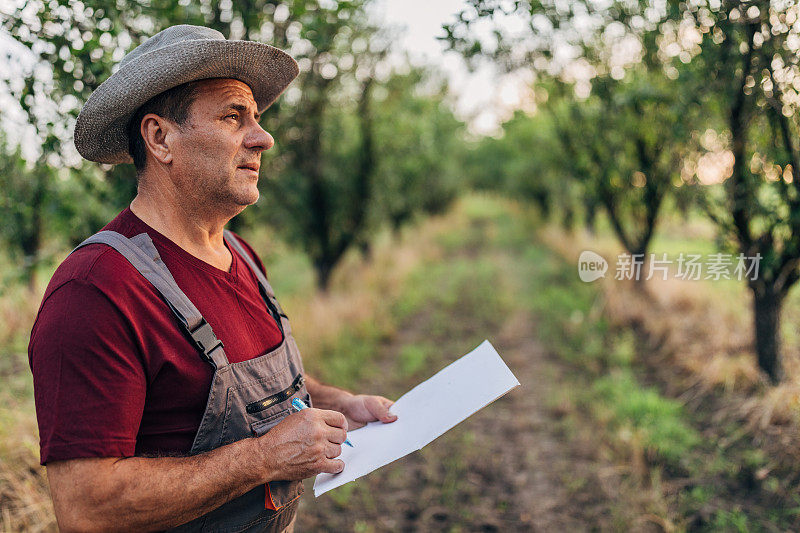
[[299, 405]]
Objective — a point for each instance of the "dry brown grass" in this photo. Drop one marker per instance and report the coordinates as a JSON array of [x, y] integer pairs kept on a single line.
[[24, 501], [360, 292], [24, 497], [702, 329]]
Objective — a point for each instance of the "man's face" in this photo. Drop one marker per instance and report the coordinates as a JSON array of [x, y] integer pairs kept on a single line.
[[217, 152]]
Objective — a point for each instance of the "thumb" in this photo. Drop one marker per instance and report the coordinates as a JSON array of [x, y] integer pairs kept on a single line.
[[383, 413]]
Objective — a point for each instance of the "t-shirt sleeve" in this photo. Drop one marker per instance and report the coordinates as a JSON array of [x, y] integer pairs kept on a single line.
[[89, 381]]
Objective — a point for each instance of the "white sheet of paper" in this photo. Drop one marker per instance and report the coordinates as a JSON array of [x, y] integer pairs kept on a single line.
[[424, 413]]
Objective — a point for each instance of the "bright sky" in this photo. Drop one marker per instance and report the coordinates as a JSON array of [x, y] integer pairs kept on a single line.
[[484, 98]]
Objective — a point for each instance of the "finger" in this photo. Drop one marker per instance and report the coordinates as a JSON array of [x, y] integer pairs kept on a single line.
[[391, 417], [334, 419], [379, 408], [332, 466], [333, 450], [355, 425], [336, 435]]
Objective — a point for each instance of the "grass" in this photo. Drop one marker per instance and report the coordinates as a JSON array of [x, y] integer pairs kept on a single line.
[[450, 301], [642, 415], [692, 343], [655, 438], [23, 486], [639, 427], [459, 276], [413, 358]]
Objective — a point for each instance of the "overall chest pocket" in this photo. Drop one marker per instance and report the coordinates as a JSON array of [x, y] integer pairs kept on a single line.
[[260, 427], [255, 407]]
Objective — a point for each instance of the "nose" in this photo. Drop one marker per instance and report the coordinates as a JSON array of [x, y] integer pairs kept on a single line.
[[258, 138]]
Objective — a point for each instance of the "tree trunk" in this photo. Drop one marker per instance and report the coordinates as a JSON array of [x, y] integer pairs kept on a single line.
[[568, 218], [590, 218], [32, 280], [324, 270], [365, 247], [640, 281], [32, 242], [766, 314]]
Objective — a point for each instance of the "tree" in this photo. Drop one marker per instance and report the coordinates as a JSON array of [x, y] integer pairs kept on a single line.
[[420, 142], [625, 144], [526, 162], [747, 52], [621, 122], [323, 169], [740, 60], [75, 46]]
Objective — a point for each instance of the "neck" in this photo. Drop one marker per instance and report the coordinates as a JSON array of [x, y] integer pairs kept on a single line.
[[195, 228]]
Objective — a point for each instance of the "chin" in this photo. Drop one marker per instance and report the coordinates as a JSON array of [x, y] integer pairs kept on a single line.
[[248, 198], [239, 192]]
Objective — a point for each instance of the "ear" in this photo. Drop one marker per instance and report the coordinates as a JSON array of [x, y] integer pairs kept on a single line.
[[156, 132]]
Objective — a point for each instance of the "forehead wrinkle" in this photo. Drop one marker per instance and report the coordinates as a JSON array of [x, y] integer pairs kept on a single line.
[[238, 98], [228, 90], [218, 95]]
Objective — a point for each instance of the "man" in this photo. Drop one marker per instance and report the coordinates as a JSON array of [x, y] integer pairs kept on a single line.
[[164, 368]]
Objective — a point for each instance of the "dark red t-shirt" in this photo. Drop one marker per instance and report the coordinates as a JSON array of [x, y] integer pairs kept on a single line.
[[113, 373]]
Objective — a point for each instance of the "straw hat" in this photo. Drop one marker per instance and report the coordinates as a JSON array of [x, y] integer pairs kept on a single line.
[[177, 55]]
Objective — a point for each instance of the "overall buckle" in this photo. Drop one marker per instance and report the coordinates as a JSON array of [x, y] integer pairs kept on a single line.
[[205, 340]]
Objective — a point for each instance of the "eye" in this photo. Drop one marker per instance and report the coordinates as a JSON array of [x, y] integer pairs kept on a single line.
[[234, 116]]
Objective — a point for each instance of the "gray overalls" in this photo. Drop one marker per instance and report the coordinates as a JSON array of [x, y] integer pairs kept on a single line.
[[246, 398]]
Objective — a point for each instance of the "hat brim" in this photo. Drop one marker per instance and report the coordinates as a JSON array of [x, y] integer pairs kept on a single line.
[[100, 131]]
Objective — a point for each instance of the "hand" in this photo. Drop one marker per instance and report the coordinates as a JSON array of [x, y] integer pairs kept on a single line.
[[363, 408], [304, 444]]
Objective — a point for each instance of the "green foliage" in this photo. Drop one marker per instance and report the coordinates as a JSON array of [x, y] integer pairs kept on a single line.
[[660, 423], [19, 215], [289, 270], [735, 520], [702, 80], [354, 149], [419, 139], [412, 358], [41, 202], [624, 144], [349, 357], [525, 162]]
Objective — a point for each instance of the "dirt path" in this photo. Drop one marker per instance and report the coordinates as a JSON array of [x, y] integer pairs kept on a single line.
[[528, 462], [510, 467]]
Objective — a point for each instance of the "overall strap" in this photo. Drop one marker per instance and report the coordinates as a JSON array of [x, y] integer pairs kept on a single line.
[[266, 288], [142, 254]]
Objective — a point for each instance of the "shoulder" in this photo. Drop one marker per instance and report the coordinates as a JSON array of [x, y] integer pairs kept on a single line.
[[93, 310], [98, 264], [95, 266]]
